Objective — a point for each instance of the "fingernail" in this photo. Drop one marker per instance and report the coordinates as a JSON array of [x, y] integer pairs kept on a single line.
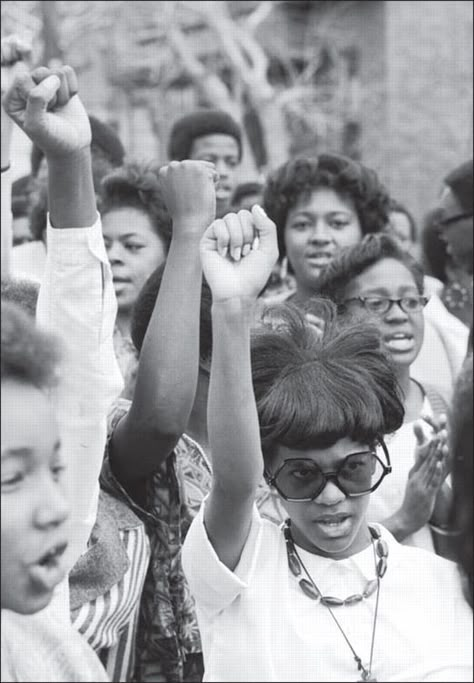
[[236, 254], [246, 249], [258, 209], [224, 252], [256, 243]]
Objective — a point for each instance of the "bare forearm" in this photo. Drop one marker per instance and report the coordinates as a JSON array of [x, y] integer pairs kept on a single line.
[[72, 202], [169, 362], [232, 414]]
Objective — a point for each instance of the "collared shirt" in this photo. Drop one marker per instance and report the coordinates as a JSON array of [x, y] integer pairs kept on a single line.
[[257, 624]]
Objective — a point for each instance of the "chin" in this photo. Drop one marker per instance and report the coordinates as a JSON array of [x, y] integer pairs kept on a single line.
[[29, 605]]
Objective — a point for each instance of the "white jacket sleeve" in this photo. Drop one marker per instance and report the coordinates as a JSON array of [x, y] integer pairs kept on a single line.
[[77, 304], [6, 225]]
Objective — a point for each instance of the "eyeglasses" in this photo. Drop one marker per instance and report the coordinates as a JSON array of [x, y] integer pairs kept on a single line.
[[454, 219], [302, 480], [382, 304]]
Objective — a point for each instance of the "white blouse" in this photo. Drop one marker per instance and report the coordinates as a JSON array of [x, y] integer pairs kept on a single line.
[[257, 624]]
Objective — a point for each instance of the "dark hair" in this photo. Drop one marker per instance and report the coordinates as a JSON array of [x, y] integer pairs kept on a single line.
[[461, 441], [460, 182], [396, 207], [244, 190], [197, 124], [314, 389], [435, 255], [23, 293], [28, 354], [136, 185], [352, 261], [346, 177], [145, 304]]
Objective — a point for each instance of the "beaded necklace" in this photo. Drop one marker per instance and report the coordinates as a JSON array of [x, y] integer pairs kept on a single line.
[[310, 589]]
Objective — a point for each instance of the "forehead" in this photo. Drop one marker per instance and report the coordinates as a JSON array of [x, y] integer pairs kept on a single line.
[[324, 457], [449, 204], [126, 221], [27, 419], [217, 143], [321, 201], [389, 274]]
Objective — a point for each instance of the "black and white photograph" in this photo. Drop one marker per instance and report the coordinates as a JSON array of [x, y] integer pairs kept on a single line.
[[237, 341]]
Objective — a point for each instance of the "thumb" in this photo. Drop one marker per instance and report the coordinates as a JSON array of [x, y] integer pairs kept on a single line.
[[419, 434], [266, 229], [41, 95]]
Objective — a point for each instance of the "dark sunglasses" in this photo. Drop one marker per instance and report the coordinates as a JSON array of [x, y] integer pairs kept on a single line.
[[302, 480]]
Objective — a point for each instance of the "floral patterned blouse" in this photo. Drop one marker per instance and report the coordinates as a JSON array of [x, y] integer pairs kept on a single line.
[[168, 644]]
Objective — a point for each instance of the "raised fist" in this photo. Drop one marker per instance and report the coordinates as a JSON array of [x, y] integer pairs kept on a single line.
[[45, 105], [238, 253], [189, 193]]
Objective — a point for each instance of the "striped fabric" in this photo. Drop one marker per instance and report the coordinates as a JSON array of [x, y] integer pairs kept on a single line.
[[109, 622]]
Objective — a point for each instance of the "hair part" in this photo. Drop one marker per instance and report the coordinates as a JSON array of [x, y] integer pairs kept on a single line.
[[349, 179], [314, 389]]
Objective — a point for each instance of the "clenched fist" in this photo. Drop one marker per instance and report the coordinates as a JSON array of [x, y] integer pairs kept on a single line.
[[238, 253], [45, 105]]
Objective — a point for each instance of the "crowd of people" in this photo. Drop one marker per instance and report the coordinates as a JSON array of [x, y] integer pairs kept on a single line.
[[236, 418]]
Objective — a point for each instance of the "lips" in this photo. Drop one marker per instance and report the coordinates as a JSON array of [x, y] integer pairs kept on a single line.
[[320, 258], [399, 341], [332, 519], [48, 571]]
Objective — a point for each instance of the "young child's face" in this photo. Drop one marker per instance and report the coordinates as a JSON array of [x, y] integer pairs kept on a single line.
[[34, 509]]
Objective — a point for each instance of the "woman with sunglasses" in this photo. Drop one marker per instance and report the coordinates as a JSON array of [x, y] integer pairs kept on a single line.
[[378, 281], [325, 597]]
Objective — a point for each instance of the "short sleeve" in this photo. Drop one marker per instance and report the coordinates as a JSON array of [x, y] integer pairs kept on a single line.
[[213, 585]]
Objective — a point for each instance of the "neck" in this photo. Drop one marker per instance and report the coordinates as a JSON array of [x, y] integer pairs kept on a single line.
[[197, 425], [304, 292], [402, 373], [123, 322]]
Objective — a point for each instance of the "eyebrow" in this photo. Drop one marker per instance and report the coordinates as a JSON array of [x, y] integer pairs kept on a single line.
[[24, 452], [310, 214], [384, 292]]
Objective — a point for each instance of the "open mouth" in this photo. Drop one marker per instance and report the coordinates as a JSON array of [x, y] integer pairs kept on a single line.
[[47, 572], [319, 258], [334, 525], [400, 341]]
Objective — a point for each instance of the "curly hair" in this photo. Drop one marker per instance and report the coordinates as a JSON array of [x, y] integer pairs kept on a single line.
[[145, 304], [24, 293], [352, 261], [348, 178], [314, 389], [28, 354], [136, 185]]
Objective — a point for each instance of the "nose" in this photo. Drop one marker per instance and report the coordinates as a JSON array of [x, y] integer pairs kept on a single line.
[[320, 233], [52, 508], [115, 253], [222, 169], [396, 314], [330, 495]]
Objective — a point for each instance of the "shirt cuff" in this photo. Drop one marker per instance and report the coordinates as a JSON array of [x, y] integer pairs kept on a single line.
[[68, 246]]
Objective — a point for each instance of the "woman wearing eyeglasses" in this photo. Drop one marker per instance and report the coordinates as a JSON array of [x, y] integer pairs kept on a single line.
[[378, 281], [325, 597]]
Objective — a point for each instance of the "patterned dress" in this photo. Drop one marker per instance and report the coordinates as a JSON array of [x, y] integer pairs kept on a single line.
[[168, 646]]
